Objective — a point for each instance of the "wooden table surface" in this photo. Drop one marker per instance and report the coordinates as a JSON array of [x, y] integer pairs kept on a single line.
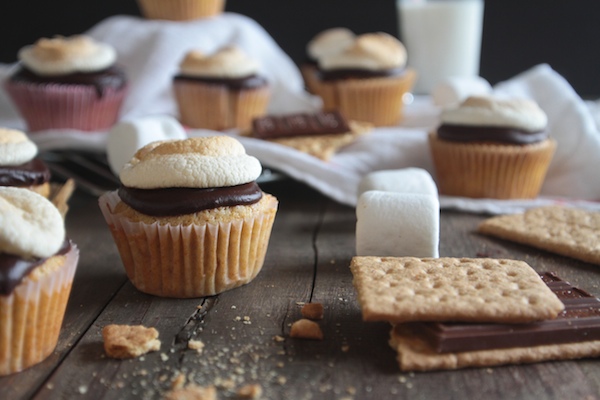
[[308, 258]]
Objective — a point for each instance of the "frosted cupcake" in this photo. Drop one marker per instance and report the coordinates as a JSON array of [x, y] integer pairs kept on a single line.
[[181, 10], [367, 80], [68, 83], [189, 219], [220, 91], [328, 42], [19, 166], [492, 148], [37, 265]]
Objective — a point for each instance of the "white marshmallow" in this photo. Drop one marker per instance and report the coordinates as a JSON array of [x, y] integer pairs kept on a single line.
[[406, 180], [397, 224], [127, 137], [454, 90]]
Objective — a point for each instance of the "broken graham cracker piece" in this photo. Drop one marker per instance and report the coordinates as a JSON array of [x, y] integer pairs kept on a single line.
[[306, 329], [414, 354], [312, 311], [567, 231], [402, 289], [192, 392], [129, 341], [250, 391]]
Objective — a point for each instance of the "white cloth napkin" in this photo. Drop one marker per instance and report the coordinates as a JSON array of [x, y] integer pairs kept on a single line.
[[151, 50]]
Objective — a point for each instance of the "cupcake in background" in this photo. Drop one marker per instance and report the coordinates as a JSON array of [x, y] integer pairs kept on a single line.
[[68, 83], [19, 166], [492, 148], [220, 91], [181, 10], [367, 80], [327, 42], [189, 219], [37, 265]]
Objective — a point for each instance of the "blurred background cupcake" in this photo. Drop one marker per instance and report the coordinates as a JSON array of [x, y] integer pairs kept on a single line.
[[327, 42], [367, 80], [220, 91], [180, 10], [492, 148], [37, 265], [68, 83], [19, 166], [189, 219]]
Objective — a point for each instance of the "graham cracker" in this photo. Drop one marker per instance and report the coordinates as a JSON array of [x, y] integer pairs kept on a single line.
[[129, 341], [325, 146], [306, 329], [415, 354], [192, 391], [566, 231], [401, 289]]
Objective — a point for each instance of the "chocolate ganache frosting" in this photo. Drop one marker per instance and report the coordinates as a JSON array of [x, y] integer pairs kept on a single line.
[[357, 73], [468, 133], [111, 77], [179, 201], [31, 173], [13, 268], [248, 82]]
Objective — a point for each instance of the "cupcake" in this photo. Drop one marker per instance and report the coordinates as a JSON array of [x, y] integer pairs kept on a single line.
[[189, 219], [327, 42], [492, 148], [37, 265], [68, 83], [180, 10], [367, 80], [220, 91], [19, 166]]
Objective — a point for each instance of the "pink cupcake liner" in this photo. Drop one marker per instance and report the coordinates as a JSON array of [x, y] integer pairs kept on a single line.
[[59, 106]]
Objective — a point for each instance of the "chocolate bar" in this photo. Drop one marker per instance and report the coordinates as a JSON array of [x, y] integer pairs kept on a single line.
[[320, 123], [578, 322]]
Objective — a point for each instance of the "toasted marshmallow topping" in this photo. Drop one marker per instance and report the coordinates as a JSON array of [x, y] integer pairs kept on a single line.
[[30, 225], [204, 162], [488, 111], [371, 51], [61, 56], [330, 41], [228, 62], [15, 147]]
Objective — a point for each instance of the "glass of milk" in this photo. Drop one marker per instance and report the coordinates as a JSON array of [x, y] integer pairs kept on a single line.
[[442, 39]]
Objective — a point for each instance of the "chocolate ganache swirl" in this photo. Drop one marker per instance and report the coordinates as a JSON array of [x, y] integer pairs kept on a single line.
[[31, 173], [247, 82], [178, 201], [470, 133], [112, 77], [358, 73], [13, 269]]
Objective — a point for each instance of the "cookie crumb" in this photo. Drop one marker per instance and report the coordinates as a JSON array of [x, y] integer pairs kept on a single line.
[[312, 311], [194, 392], [306, 329], [251, 391], [197, 345], [278, 338], [129, 341], [178, 381]]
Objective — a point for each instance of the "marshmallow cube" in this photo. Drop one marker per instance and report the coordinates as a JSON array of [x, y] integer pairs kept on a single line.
[[397, 224], [406, 180], [127, 137]]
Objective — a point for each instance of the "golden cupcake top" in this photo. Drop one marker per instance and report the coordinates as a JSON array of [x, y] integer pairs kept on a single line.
[[370, 51], [227, 62], [66, 55], [330, 41], [517, 113], [30, 225], [15, 147], [203, 162]]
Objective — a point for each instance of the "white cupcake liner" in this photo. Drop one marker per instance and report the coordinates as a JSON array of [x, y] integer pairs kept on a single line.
[[189, 261]]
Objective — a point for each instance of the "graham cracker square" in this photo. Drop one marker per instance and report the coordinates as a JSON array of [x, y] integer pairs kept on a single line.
[[401, 289], [567, 231]]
